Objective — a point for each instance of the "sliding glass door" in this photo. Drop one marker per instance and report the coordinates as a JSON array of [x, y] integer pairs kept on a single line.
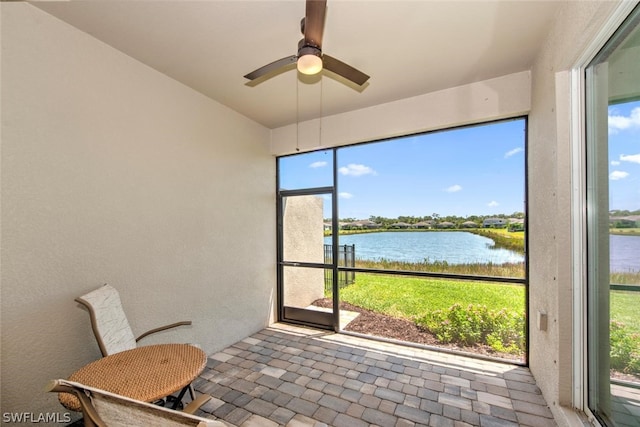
[[613, 228]]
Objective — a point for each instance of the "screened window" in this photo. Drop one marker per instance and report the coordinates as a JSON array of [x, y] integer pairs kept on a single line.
[[420, 229]]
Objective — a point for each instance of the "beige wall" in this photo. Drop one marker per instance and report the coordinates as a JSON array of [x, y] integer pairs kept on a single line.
[[112, 172], [550, 199], [303, 236], [498, 98], [625, 85]]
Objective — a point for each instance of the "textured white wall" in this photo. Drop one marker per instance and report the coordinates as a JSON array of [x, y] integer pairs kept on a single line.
[[113, 172], [550, 194], [498, 98]]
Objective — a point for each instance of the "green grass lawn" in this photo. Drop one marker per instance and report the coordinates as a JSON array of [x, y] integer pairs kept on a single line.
[[624, 308], [625, 231], [414, 298], [411, 297], [516, 235]]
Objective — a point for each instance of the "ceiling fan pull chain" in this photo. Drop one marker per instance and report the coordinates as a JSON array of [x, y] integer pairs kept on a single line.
[[320, 130], [297, 115]]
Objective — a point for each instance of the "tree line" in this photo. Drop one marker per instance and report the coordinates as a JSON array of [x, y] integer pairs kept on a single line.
[[385, 222]]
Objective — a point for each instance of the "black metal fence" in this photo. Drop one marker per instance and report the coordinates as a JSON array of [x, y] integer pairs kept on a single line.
[[346, 258]]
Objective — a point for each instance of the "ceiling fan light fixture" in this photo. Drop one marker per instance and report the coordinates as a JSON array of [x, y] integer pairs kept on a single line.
[[309, 60]]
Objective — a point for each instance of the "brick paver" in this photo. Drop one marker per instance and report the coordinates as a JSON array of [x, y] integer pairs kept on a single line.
[[291, 376]]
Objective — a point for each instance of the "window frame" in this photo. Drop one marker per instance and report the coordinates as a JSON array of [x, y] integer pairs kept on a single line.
[[335, 220]]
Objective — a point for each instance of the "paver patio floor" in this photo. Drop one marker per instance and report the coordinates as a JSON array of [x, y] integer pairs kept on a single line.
[[291, 376]]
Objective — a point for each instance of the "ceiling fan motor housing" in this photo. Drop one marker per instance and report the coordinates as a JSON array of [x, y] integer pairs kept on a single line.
[[308, 49]]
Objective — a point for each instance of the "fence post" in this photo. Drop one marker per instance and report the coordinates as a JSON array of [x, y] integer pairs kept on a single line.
[[348, 254]]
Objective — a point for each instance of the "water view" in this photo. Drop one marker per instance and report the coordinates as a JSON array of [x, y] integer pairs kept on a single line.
[[454, 247], [624, 253], [457, 247]]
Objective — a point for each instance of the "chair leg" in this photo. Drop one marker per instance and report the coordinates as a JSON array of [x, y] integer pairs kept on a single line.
[[192, 392]]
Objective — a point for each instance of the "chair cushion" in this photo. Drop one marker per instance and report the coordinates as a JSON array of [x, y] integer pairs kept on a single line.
[[110, 323]]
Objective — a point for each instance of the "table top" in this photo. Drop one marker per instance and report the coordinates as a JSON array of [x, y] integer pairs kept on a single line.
[[144, 373]]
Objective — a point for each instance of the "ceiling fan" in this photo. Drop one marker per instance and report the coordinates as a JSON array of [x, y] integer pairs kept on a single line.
[[310, 59]]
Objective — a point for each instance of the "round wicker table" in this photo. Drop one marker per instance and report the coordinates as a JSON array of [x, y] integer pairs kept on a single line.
[[144, 373]]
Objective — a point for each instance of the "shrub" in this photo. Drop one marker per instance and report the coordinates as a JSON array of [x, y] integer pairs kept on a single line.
[[502, 330], [625, 349]]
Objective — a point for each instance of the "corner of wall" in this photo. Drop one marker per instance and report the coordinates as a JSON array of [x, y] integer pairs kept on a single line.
[[551, 219]]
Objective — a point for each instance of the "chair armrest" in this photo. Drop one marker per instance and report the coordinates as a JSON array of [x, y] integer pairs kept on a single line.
[[164, 328], [61, 386], [194, 405]]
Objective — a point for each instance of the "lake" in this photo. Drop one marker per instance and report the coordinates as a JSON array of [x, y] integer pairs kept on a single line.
[[624, 253], [457, 247], [454, 247]]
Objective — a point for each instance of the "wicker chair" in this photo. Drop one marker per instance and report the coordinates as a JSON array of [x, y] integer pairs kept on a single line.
[[110, 325], [103, 409]]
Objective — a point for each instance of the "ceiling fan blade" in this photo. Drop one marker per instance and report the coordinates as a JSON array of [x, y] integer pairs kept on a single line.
[[269, 68], [314, 22], [345, 70]]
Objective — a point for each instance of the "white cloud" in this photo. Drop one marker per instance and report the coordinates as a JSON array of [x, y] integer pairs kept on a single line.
[[356, 170], [615, 163], [618, 122], [633, 158], [453, 189], [616, 175], [493, 203], [319, 164], [512, 152], [345, 195]]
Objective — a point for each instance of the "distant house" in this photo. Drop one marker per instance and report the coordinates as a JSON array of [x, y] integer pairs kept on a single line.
[[361, 224], [516, 224], [469, 224], [367, 223], [494, 223], [424, 224], [445, 224], [400, 225], [328, 226]]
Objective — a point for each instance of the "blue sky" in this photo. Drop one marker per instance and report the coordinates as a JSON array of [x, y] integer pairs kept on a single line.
[[469, 171], [624, 156], [477, 170]]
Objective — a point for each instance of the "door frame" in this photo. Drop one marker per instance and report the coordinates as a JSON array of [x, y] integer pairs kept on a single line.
[[313, 318]]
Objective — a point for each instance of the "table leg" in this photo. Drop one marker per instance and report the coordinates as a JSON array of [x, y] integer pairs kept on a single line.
[[179, 398]]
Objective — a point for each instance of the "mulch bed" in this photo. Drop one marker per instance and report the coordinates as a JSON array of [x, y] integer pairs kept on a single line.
[[380, 325]]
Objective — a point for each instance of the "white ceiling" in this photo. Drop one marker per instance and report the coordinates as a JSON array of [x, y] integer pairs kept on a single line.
[[407, 47]]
